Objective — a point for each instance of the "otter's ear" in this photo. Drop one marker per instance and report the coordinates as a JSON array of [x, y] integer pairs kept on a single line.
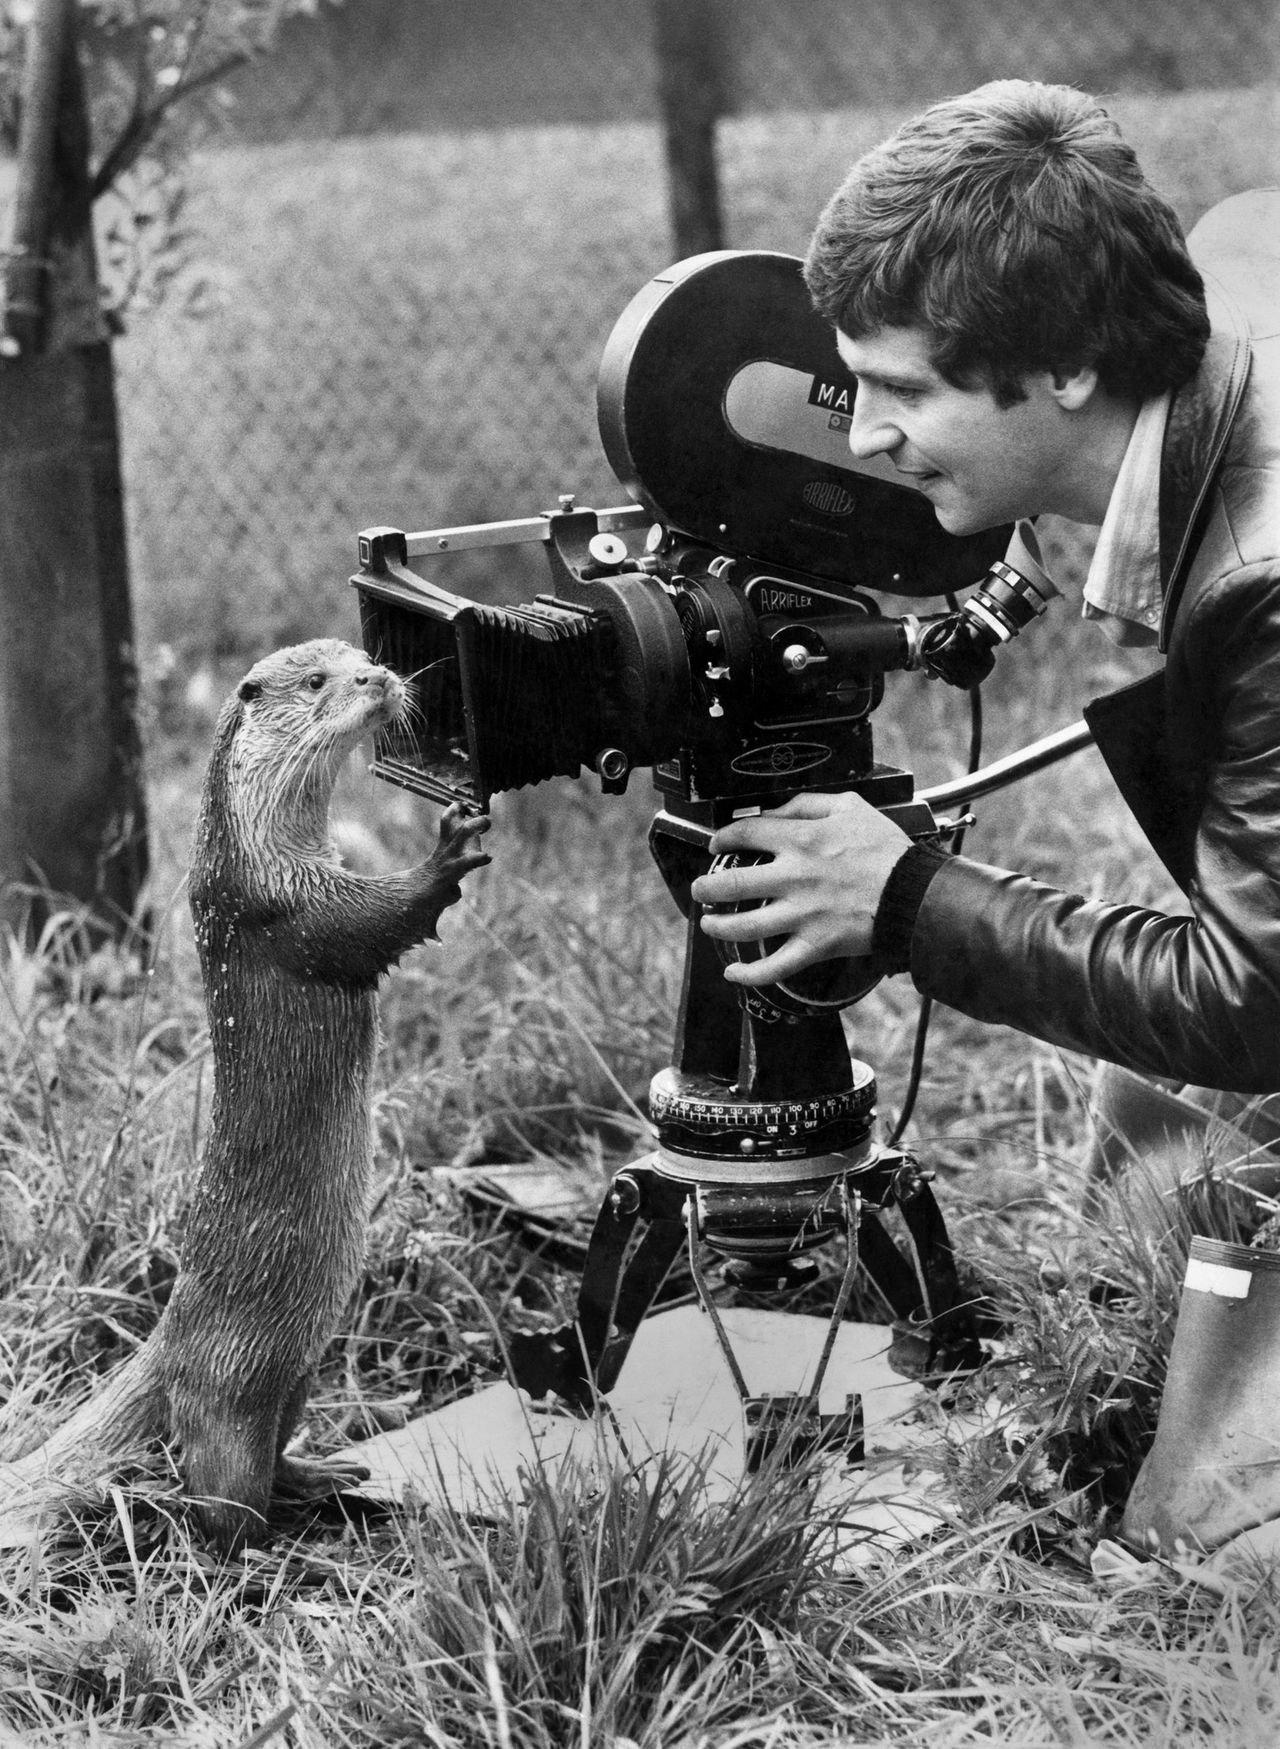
[[248, 690]]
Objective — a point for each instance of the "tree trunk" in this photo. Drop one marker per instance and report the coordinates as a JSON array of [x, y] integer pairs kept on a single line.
[[72, 803], [689, 98]]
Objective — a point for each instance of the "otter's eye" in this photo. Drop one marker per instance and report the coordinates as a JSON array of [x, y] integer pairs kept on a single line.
[[315, 681]]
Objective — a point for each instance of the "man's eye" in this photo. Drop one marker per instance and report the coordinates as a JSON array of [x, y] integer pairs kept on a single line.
[[315, 681]]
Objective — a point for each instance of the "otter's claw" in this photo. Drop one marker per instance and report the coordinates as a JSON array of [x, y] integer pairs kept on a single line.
[[451, 857], [299, 1478]]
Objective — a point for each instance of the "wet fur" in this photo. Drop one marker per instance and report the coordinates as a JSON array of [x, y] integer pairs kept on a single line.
[[292, 946]]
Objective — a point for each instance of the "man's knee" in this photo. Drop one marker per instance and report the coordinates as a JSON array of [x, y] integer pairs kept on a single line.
[[1169, 1130]]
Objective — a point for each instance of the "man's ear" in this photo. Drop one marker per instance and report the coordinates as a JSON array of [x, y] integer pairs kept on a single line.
[[1074, 388]]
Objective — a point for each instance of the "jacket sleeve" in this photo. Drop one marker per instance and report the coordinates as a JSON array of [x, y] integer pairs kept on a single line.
[[1193, 997]]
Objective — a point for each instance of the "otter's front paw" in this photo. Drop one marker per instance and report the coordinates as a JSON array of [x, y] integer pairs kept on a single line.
[[456, 854]]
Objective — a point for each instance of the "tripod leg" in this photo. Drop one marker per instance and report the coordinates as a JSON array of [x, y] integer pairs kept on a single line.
[[564, 1360], [888, 1269], [644, 1276], [947, 1322], [583, 1359]]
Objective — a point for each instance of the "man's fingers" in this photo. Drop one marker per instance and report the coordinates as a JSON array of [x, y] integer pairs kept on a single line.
[[753, 834], [810, 805], [792, 957], [753, 925], [756, 831], [734, 886]]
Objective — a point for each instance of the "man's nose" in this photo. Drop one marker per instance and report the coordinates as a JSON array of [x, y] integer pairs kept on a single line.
[[871, 430]]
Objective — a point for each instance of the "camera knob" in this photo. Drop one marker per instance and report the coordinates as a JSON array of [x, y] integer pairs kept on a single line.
[[607, 549], [797, 657], [612, 765]]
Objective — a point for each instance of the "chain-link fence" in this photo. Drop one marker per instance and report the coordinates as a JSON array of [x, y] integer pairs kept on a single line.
[[372, 66], [405, 327], [398, 330]]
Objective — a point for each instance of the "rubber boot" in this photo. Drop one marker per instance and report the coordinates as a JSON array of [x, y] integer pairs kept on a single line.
[[1214, 1469]]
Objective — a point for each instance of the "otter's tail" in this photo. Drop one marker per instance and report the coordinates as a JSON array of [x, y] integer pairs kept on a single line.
[[77, 1463]]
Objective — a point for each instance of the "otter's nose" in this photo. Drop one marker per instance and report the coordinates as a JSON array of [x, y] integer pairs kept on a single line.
[[373, 676]]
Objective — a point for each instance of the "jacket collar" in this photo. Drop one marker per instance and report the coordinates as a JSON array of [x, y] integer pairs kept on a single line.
[[1195, 437]]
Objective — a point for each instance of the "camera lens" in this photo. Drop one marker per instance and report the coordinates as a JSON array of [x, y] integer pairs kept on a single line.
[[1005, 601]]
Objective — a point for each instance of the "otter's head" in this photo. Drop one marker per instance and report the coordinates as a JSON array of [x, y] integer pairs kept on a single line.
[[289, 728]]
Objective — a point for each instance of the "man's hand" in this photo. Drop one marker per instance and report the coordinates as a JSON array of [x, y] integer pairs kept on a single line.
[[832, 855]]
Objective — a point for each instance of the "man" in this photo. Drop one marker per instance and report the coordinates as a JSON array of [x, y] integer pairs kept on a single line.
[[1029, 334]]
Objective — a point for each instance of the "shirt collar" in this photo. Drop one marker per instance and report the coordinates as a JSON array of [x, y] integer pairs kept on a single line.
[[1123, 589]]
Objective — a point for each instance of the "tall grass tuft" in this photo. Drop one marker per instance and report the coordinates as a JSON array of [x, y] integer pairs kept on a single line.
[[593, 1608]]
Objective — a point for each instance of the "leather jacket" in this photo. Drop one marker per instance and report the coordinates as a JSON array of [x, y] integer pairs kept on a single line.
[[1194, 750]]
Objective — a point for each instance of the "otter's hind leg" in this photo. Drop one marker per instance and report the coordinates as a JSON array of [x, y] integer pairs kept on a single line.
[[227, 1466]]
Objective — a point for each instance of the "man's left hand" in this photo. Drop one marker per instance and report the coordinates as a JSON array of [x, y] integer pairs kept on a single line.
[[832, 855]]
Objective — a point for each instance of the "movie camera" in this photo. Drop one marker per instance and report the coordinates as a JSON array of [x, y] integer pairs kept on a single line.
[[724, 630]]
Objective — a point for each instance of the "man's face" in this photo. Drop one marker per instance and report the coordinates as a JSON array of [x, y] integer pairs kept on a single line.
[[977, 463]]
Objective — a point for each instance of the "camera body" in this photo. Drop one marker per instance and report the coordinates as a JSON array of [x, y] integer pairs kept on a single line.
[[724, 628], [715, 674]]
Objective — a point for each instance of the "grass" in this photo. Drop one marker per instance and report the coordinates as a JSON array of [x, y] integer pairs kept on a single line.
[[595, 1607], [601, 1606]]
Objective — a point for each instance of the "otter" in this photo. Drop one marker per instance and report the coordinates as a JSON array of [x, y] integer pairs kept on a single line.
[[292, 946]]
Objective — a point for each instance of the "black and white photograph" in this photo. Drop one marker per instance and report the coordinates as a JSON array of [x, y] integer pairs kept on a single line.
[[639, 874]]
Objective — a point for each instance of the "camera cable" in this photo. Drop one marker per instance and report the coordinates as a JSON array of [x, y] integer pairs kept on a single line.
[[926, 1002]]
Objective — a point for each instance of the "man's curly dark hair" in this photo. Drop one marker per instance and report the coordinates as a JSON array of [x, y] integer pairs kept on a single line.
[[1015, 227]]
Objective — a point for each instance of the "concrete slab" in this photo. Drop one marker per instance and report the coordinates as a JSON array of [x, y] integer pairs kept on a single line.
[[676, 1394]]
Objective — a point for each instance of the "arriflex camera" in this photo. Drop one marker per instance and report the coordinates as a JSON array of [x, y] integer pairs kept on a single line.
[[724, 630]]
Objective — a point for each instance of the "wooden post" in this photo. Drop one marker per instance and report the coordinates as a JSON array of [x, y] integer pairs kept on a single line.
[[72, 803], [690, 101]]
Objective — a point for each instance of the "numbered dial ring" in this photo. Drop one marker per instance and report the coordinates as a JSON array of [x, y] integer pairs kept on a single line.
[[695, 1114]]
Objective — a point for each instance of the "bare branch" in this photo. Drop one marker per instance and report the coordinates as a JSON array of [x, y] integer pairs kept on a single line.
[[143, 125]]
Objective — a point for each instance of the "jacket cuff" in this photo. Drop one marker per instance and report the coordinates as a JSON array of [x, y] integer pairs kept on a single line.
[[900, 901]]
